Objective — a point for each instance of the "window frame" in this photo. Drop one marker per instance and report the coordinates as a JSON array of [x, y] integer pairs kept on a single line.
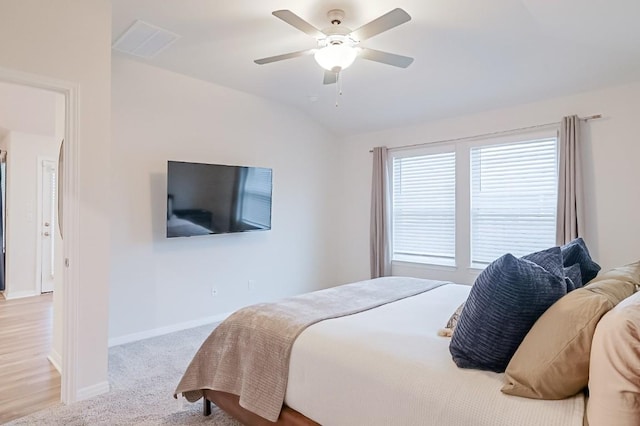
[[433, 149], [462, 269]]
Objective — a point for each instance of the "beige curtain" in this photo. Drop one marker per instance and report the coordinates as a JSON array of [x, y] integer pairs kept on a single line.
[[380, 215], [570, 212]]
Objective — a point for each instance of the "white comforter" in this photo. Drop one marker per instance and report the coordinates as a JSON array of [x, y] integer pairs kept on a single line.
[[388, 366]]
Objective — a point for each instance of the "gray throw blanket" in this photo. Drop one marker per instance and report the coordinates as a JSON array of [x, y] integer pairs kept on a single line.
[[248, 354]]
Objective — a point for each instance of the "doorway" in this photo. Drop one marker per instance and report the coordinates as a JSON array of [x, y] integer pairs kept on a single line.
[[33, 123], [32, 140], [68, 186]]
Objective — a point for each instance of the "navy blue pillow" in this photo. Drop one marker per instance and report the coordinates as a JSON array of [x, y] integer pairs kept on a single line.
[[504, 303], [550, 259], [573, 277], [576, 252]]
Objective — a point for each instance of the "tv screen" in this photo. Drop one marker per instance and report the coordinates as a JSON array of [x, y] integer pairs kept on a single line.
[[205, 199]]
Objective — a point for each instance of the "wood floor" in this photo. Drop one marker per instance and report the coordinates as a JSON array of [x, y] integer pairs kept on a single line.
[[28, 381]]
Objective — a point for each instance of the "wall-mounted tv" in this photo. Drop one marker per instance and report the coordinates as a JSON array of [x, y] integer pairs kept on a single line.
[[204, 199]]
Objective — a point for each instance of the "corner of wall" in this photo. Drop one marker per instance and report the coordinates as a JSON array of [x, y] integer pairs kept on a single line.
[[93, 390]]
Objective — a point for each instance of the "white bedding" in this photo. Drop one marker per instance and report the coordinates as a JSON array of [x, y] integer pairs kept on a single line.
[[388, 366]]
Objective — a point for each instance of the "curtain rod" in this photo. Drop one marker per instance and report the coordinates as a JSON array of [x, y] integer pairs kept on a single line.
[[501, 132]]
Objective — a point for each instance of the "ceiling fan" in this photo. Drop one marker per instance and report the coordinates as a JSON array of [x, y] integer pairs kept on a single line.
[[338, 46]]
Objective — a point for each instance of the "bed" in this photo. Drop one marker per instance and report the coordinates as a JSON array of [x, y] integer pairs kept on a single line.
[[393, 368], [383, 365]]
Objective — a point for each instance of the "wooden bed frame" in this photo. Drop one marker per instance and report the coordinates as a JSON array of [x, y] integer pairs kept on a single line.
[[230, 404]]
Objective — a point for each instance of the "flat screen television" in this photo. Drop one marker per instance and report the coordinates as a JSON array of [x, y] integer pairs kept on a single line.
[[204, 199]]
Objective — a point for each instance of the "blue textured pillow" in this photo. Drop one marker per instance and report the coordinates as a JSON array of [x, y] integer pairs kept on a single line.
[[573, 277], [576, 252], [550, 259], [504, 303]]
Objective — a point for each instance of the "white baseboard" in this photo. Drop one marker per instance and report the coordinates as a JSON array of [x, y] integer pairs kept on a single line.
[[9, 295], [55, 359], [134, 337], [93, 390]]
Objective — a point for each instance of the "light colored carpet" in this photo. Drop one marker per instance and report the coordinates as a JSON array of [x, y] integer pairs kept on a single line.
[[143, 376]]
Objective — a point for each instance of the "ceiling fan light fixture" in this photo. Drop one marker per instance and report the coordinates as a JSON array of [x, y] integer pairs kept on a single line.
[[338, 46], [336, 57]]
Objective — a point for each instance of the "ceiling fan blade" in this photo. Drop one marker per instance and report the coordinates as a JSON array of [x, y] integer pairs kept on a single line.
[[386, 58], [383, 23], [283, 57], [330, 77], [294, 20]]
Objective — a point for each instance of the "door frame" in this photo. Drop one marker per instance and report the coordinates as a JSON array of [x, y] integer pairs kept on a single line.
[[70, 280]]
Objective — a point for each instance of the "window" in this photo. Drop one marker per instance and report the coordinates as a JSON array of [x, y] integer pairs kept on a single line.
[[424, 198], [513, 199], [465, 204]]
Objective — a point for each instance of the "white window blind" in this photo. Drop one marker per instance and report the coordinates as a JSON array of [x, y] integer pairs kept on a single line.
[[513, 199], [423, 218]]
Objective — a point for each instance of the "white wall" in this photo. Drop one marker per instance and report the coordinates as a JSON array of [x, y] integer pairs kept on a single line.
[[158, 282], [23, 152], [27, 110], [611, 152], [70, 40]]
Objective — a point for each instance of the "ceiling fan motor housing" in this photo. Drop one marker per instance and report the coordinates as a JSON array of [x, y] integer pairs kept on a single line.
[[336, 39], [335, 16]]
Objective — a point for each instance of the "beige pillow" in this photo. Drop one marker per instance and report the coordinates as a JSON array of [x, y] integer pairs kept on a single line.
[[552, 362], [614, 376]]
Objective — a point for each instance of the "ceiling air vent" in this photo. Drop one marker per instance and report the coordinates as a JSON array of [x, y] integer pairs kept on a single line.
[[144, 40]]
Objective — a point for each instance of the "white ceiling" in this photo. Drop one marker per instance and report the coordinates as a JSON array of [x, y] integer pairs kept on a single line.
[[469, 55]]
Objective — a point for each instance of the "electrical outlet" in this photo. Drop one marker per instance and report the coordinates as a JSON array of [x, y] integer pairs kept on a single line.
[[251, 284], [214, 292]]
